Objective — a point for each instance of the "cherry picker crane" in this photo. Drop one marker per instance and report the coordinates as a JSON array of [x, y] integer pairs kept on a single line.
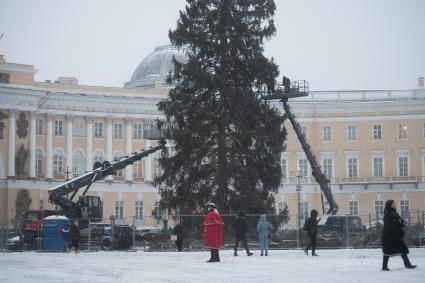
[[90, 206], [86, 208], [299, 89]]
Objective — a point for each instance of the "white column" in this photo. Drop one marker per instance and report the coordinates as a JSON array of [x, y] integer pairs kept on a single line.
[[12, 146], [69, 132], [148, 163], [109, 121], [89, 145], [129, 149], [49, 147], [32, 145]]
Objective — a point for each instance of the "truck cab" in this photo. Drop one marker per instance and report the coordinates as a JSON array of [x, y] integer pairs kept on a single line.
[[32, 225], [340, 224]]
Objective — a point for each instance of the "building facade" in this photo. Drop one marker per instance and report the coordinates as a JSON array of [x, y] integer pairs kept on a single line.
[[371, 144]]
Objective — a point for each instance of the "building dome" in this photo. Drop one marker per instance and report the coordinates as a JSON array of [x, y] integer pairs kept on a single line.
[[156, 67]]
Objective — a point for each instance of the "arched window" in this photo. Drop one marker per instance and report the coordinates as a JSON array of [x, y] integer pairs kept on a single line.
[[58, 163], [39, 160], [138, 171], [98, 156], [156, 167], [118, 175], [78, 163]]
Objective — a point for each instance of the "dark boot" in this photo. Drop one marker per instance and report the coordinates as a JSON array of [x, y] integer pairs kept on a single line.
[[217, 256], [385, 263], [248, 253], [236, 252], [406, 261], [212, 256]]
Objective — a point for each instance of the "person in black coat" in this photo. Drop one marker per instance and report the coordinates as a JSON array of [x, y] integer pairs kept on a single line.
[[178, 231], [75, 235], [392, 236], [241, 226], [310, 226]]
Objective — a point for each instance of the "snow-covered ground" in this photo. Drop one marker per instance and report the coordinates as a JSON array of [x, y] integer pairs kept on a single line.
[[331, 266]]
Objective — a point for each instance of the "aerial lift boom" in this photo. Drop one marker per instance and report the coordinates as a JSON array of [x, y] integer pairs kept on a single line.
[[299, 89]]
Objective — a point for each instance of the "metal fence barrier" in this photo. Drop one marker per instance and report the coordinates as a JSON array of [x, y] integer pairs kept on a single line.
[[154, 233]]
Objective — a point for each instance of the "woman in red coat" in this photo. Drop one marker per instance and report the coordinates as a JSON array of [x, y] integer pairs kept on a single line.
[[213, 232]]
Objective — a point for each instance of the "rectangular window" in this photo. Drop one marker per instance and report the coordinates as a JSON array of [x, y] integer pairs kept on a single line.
[[379, 209], [4, 78], [327, 167], [403, 166], [39, 126], [138, 170], [423, 131], [283, 168], [351, 133], [40, 204], [303, 169], [98, 129], [378, 167], [377, 132], [282, 206], [327, 133], [157, 210], [404, 210], [119, 209], [39, 163], [352, 167], [59, 128], [402, 131], [353, 208], [303, 210], [139, 209], [79, 128], [156, 168], [138, 131], [118, 131]]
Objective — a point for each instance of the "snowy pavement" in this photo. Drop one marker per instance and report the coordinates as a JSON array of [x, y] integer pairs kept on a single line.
[[331, 266]]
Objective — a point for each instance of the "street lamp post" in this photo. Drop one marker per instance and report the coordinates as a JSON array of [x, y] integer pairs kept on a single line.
[[299, 175], [67, 172]]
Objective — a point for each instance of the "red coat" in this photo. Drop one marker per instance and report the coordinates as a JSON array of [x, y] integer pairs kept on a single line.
[[213, 230]]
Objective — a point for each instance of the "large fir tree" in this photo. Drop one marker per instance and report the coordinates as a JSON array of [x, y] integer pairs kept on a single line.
[[227, 141]]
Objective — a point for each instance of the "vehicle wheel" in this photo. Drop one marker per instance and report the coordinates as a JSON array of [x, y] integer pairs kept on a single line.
[[106, 243], [37, 244]]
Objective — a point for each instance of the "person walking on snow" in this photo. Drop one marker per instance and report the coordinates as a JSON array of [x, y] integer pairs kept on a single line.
[[75, 235], [263, 229], [241, 226], [213, 232], [392, 236], [310, 226], [178, 231]]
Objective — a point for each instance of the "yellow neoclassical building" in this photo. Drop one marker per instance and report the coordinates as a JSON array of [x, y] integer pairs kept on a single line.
[[371, 144]]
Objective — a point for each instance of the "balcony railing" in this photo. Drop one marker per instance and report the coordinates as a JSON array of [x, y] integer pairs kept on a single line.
[[363, 180]]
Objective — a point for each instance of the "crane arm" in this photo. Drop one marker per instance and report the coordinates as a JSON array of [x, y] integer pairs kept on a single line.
[[298, 89], [57, 195], [320, 177]]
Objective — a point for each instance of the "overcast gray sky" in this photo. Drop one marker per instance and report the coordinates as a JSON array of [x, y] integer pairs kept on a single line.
[[334, 44]]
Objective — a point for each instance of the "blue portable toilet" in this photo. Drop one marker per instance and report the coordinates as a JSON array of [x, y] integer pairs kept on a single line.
[[55, 233]]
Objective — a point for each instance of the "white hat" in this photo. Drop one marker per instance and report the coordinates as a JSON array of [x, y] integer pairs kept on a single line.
[[211, 204]]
